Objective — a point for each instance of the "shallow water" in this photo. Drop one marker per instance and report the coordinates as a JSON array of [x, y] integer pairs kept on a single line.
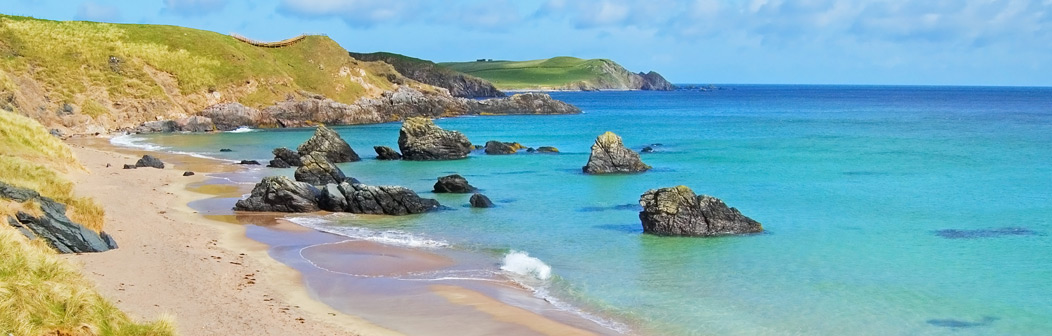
[[889, 210]]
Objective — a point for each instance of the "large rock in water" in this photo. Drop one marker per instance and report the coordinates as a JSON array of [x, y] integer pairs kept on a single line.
[[318, 170], [679, 212], [378, 200], [386, 153], [281, 194], [329, 143], [609, 155], [61, 233], [453, 184], [285, 158], [480, 201], [420, 140]]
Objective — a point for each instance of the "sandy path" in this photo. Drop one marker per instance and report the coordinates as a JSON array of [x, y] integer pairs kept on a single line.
[[172, 261]]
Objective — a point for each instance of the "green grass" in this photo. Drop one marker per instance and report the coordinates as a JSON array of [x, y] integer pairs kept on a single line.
[[551, 73]]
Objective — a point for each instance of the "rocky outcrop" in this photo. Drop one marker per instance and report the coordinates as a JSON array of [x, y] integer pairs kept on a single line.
[[427, 72], [386, 153], [379, 200], [61, 233], [523, 103], [281, 194], [230, 116], [679, 212], [420, 140], [502, 148], [453, 184], [328, 143], [480, 201], [149, 161], [194, 124], [653, 81], [318, 170], [609, 155], [285, 158], [547, 149], [160, 126]]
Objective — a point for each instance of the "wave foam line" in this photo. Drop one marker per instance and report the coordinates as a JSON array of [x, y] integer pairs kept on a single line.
[[389, 237]]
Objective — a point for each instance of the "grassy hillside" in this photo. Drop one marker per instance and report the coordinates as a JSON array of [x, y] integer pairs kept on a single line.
[[459, 84], [40, 293], [116, 75], [544, 73]]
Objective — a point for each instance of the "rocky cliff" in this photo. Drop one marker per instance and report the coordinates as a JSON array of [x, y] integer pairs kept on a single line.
[[561, 73], [427, 72]]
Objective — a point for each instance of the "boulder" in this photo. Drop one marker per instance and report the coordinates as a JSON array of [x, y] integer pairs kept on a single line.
[[161, 126], [230, 116], [188, 173], [249, 162], [195, 124], [679, 212], [330, 144], [61, 233], [386, 153], [609, 155], [480, 201], [453, 184], [318, 170], [149, 161], [420, 140], [285, 158], [547, 149], [379, 200], [281, 194], [128, 166], [500, 148]]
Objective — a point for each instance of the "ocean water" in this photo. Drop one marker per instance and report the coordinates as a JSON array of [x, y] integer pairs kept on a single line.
[[888, 210]]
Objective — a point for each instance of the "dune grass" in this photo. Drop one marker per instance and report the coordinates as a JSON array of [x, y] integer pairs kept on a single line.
[[554, 72]]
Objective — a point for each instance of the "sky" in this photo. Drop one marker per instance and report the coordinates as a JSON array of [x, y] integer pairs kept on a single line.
[[899, 42]]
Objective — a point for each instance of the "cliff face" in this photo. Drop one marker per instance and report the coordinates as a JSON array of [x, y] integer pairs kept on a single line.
[[427, 72], [562, 73]]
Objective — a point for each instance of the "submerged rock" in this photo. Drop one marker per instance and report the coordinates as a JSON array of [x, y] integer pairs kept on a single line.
[[329, 143], [386, 153], [480, 201], [149, 161], [609, 155], [225, 150], [317, 170], [379, 200], [453, 184], [679, 212], [285, 158], [61, 233], [281, 194], [547, 149], [420, 140]]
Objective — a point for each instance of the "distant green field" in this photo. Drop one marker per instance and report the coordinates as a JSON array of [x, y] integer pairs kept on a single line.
[[552, 73]]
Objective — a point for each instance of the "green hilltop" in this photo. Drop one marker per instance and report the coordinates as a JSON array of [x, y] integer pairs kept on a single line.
[[560, 73]]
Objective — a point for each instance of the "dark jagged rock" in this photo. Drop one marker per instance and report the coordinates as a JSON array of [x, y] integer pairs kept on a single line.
[[453, 184], [386, 153], [61, 233], [281, 194], [653, 81], [523, 103], [379, 200], [530, 150], [149, 161], [547, 149], [420, 140], [330, 144], [249, 162], [318, 170], [458, 84], [188, 173], [679, 212], [502, 148], [609, 155], [128, 166], [647, 149], [194, 124], [480, 201], [285, 158], [231, 116], [225, 150]]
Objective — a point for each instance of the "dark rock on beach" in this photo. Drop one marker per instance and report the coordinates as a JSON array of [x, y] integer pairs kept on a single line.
[[330, 144], [149, 161], [386, 153], [679, 212], [61, 233], [420, 140], [318, 170], [453, 184], [609, 155], [281, 194], [249, 162], [480, 201], [188, 173], [129, 166], [285, 158], [379, 200]]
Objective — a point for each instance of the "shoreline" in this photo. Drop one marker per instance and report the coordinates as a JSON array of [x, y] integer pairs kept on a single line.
[[284, 287]]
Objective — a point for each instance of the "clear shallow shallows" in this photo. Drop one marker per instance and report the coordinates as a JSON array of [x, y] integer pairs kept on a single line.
[[889, 210]]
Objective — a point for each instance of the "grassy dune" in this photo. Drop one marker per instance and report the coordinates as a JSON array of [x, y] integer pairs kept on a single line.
[[41, 294], [552, 73]]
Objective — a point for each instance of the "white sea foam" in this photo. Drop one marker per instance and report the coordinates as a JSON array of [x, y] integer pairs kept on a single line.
[[389, 237], [132, 141], [521, 263], [242, 129]]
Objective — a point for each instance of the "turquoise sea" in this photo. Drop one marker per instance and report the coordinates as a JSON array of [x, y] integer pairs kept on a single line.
[[888, 210]]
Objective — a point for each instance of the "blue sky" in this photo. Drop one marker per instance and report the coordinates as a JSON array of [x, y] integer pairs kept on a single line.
[[935, 42]]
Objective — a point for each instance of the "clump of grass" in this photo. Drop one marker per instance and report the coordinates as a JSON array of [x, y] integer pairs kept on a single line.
[[94, 109], [41, 294]]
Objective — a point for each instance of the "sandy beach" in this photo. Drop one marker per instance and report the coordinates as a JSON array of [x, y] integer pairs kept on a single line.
[[204, 272]]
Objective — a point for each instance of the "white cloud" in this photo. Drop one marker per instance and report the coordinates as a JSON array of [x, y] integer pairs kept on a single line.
[[93, 11], [193, 7]]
